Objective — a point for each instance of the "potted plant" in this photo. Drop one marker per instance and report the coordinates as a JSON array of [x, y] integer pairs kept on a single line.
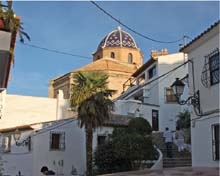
[[9, 22]]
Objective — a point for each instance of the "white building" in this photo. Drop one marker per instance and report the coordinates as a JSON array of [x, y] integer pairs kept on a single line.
[[148, 93], [203, 54], [50, 136], [19, 110], [58, 145]]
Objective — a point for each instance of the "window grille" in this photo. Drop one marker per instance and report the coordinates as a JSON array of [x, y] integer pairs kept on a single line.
[[210, 72]]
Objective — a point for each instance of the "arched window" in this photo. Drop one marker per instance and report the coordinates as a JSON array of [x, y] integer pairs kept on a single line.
[[130, 59], [98, 57], [112, 55]]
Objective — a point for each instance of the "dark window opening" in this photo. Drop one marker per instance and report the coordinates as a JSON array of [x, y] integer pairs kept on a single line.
[[214, 68], [155, 120], [101, 140], [57, 141], [152, 72], [169, 96], [112, 55], [130, 58], [215, 141], [140, 98], [98, 57]]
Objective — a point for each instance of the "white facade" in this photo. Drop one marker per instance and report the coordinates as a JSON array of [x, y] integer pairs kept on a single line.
[[18, 110], [30, 162], [38, 118], [200, 51], [152, 94]]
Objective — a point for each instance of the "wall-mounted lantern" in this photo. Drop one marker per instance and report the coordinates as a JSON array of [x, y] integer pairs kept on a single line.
[[178, 88], [17, 136]]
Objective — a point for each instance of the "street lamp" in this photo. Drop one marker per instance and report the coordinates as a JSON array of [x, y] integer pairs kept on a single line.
[[17, 136], [178, 88]]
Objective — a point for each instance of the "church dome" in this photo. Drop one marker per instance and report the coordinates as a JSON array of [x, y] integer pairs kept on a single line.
[[118, 38]]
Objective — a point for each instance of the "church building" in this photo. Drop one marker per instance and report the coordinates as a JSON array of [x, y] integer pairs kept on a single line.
[[117, 55]]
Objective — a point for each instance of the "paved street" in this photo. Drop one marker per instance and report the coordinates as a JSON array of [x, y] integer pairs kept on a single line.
[[184, 171]]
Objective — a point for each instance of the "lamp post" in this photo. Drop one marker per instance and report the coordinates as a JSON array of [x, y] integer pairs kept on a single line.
[[17, 136], [178, 88]]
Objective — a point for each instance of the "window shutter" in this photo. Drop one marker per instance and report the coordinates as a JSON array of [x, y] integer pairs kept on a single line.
[[62, 141], [6, 143], [50, 140]]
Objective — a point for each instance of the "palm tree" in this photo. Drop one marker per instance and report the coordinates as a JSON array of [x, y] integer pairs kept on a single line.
[[90, 94]]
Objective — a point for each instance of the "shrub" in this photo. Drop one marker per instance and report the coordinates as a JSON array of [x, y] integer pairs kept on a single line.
[[183, 119], [126, 149], [140, 126]]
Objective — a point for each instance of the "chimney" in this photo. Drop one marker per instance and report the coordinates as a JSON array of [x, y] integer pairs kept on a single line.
[[155, 53]]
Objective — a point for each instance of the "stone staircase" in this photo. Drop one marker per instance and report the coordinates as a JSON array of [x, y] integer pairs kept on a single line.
[[180, 159]]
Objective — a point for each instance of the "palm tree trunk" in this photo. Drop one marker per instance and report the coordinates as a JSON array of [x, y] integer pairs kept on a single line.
[[89, 138]]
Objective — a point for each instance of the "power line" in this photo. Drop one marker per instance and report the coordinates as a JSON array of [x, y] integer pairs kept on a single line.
[[149, 82], [134, 31], [55, 51]]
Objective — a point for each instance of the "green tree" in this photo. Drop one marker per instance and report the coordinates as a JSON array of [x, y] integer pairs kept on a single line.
[[183, 120], [89, 93], [140, 126], [126, 149]]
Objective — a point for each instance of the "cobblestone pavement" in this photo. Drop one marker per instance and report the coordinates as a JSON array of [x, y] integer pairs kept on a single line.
[[184, 171]]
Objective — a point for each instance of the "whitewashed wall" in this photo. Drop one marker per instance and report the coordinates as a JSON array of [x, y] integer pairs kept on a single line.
[[19, 156], [209, 99], [169, 111], [154, 95], [31, 162], [129, 107], [20, 110]]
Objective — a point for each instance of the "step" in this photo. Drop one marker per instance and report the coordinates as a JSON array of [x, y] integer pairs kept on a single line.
[[176, 162], [176, 165]]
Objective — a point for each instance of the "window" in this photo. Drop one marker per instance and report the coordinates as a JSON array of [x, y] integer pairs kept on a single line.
[[215, 141], [130, 58], [98, 57], [214, 68], [152, 72], [57, 141], [169, 95], [6, 143], [155, 120], [112, 55], [101, 140]]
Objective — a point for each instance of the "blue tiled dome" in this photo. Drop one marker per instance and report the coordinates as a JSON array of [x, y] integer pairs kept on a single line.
[[118, 38]]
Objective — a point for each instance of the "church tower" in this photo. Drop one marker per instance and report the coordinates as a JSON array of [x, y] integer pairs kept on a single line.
[[117, 56]]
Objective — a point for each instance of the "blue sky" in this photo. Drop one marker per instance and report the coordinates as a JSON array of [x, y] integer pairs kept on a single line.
[[78, 27]]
